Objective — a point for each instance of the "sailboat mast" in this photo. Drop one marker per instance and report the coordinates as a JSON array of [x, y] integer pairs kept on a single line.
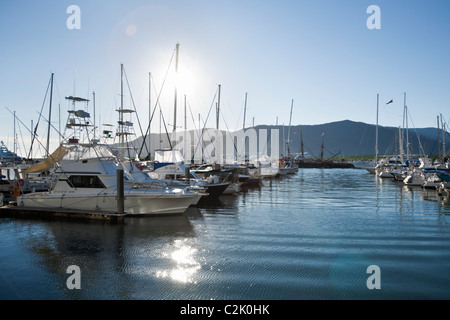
[[160, 117], [218, 110], [175, 97], [59, 122], [149, 115], [14, 139], [121, 140], [185, 129], [443, 137], [406, 121], [49, 117], [396, 143], [31, 142], [301, 140], [321, 149], [376, 132], [401, 144], [289, 131], [439, 138], [245, 111], [93, 98]]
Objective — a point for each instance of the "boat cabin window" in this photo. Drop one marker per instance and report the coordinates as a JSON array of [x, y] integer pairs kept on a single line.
[[178, 177], [86, 182]]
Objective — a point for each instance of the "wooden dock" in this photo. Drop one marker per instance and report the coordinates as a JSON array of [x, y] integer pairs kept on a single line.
[[32, 212]]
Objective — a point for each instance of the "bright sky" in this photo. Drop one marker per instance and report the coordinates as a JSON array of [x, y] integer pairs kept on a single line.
[[319, 53]]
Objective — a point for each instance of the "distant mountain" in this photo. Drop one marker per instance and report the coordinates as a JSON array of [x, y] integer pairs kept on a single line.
[[342, 138], [350, 138]]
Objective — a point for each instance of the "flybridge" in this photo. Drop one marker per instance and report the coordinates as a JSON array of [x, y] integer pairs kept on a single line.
[[76, 98], [80, 113]]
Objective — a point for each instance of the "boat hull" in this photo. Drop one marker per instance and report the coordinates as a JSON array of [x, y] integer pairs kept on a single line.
[[134, 204], [232, 188], [385, 174], [269, 172], [288, 170], [215, 190]]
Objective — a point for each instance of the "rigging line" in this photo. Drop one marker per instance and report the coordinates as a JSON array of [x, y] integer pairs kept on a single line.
[[20, 133], [34, 134], [31, 132], [157, 103], [56, 88], [239, 118], [445, 134], [61, 136], [234, 144], [195, 130], [165, 128], [204, 125], [160, 90], [417, 134], [193, 121], [314, 156], [132, 100]]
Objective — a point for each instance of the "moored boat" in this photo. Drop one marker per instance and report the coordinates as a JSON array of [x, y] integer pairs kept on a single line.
[[87, 180]]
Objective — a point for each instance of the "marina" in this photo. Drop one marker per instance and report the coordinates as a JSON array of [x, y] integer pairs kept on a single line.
[[224, 154], [258, 227], [189, 224]]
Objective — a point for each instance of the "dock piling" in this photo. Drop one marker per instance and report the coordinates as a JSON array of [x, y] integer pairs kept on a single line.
[[120, 192]]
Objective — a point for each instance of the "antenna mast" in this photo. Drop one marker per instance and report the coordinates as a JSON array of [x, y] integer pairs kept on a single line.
[[49, 117]]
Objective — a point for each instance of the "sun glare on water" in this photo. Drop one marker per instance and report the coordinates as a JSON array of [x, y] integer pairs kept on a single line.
[[183, 256]]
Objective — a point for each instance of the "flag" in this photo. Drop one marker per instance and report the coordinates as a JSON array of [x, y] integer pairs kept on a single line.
[[392, 100]]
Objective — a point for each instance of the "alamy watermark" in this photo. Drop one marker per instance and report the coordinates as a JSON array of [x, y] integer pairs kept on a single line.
[[74, 280], [374, 21], [221, 147], [74, 20], [374, 281]]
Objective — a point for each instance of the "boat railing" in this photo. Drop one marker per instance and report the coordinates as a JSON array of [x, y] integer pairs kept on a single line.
[[148, 184]]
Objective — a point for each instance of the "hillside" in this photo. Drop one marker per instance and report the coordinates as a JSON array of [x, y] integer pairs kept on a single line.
[[357, 138], [342, 138]]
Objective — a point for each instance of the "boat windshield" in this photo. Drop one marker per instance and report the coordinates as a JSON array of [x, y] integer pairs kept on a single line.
[[168, 156], [194, 175], [84, 152]]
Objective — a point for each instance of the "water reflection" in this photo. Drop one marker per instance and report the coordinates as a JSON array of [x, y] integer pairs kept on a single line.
[[114, 254], [408, 199], [182, 255], [310, 235], [226, 204]]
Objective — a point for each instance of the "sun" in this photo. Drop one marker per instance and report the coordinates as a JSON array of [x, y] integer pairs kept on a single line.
[[186, 80]]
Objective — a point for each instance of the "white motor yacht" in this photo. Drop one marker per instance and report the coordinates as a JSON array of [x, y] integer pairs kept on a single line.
[[87, 180]]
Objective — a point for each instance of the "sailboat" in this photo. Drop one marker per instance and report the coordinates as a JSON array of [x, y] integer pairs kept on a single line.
[[286, 163], [373, 168]]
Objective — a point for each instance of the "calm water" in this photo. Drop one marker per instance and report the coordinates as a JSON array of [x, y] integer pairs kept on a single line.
[[307, 236]]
